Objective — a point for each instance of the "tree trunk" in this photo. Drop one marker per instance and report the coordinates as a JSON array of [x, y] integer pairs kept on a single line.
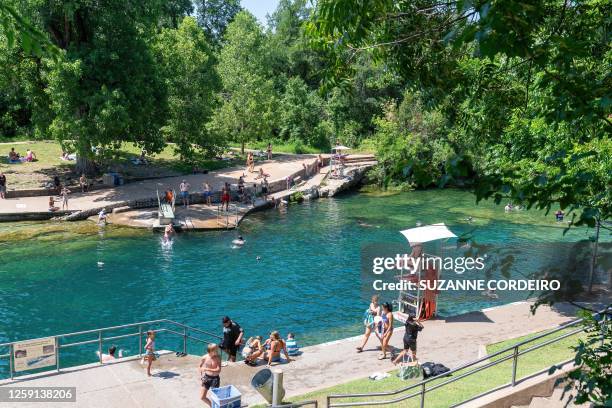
[[85, 164]]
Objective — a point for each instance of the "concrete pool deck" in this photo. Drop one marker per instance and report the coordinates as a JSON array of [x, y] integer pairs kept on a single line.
[[451, 341], [278, 168]]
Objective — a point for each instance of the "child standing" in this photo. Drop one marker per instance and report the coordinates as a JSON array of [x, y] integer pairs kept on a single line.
[[150, 350], [209, 369]]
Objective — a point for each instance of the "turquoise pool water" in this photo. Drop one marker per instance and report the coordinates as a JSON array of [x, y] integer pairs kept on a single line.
[[69, 278]]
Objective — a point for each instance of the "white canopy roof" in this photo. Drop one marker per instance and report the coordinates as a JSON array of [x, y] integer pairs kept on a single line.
[[427, 233], [340, 147]]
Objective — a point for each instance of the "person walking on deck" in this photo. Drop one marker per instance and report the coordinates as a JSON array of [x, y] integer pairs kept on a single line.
[[368, 321], [413, 327], [387, 318], [209, 369]]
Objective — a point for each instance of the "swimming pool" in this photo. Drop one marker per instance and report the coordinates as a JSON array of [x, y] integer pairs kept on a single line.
[[57, 278]]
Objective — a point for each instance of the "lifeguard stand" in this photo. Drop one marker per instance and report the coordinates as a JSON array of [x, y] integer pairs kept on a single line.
[[421, 303]]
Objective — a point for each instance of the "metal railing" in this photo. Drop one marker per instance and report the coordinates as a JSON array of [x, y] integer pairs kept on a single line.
[[227, 219], [97, 337], [477, 366], [314, 403]]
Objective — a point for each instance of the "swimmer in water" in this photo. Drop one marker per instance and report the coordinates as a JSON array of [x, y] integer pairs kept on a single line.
[[239, 241], [490, 293], [168, 232]]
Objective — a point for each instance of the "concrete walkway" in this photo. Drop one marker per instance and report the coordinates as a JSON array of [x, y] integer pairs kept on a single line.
[[451, 341], [278, 169]]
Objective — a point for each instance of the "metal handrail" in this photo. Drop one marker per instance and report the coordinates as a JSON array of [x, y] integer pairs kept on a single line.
[[232, 211], [423, 384], [184, 332], [315, 403]]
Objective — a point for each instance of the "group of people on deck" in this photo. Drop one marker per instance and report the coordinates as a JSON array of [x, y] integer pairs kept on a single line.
[[380, 320]]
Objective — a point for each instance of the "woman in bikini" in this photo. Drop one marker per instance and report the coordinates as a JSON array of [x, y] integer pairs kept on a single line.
[[209, 369], [368, 321], [387, 319], [276, 345]]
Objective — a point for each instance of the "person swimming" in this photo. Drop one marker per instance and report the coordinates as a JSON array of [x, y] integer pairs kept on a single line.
[[239, 241], [168, 232]]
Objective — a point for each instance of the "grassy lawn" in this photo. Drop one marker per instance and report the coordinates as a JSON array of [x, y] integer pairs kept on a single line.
[[464, 388], [49, 164]]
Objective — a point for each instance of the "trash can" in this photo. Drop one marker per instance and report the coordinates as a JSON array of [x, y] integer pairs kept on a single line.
[[263, 382], [225, 397]]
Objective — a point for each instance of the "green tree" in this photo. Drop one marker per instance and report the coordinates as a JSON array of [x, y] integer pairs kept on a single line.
[[188, 68], [104, 89], [301, 114], [489, 64], [248, 99], [215, 15]]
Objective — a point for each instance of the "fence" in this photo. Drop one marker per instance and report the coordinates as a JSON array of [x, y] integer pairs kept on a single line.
[[483, 363], [100, 336]]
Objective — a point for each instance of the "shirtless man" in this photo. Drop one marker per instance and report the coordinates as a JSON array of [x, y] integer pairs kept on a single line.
[[209, 369]]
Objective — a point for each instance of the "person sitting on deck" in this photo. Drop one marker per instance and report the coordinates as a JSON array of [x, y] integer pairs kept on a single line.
[[83, 183], [52, 206], [262, 174], [253, 350], [276, 346], [292, 346], [106, 358]]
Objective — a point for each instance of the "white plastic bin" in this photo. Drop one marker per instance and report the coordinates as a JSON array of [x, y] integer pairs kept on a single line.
[[225, 397]]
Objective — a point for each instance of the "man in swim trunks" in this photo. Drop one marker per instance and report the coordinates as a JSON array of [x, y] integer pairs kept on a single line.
[[184, 187], [225, 197], [210, 367], [232, 337]]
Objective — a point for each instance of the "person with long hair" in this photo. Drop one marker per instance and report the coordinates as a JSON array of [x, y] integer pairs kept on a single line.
[[387, 319], [209, 370], [368, 321], [277, 344], [150, 350]]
